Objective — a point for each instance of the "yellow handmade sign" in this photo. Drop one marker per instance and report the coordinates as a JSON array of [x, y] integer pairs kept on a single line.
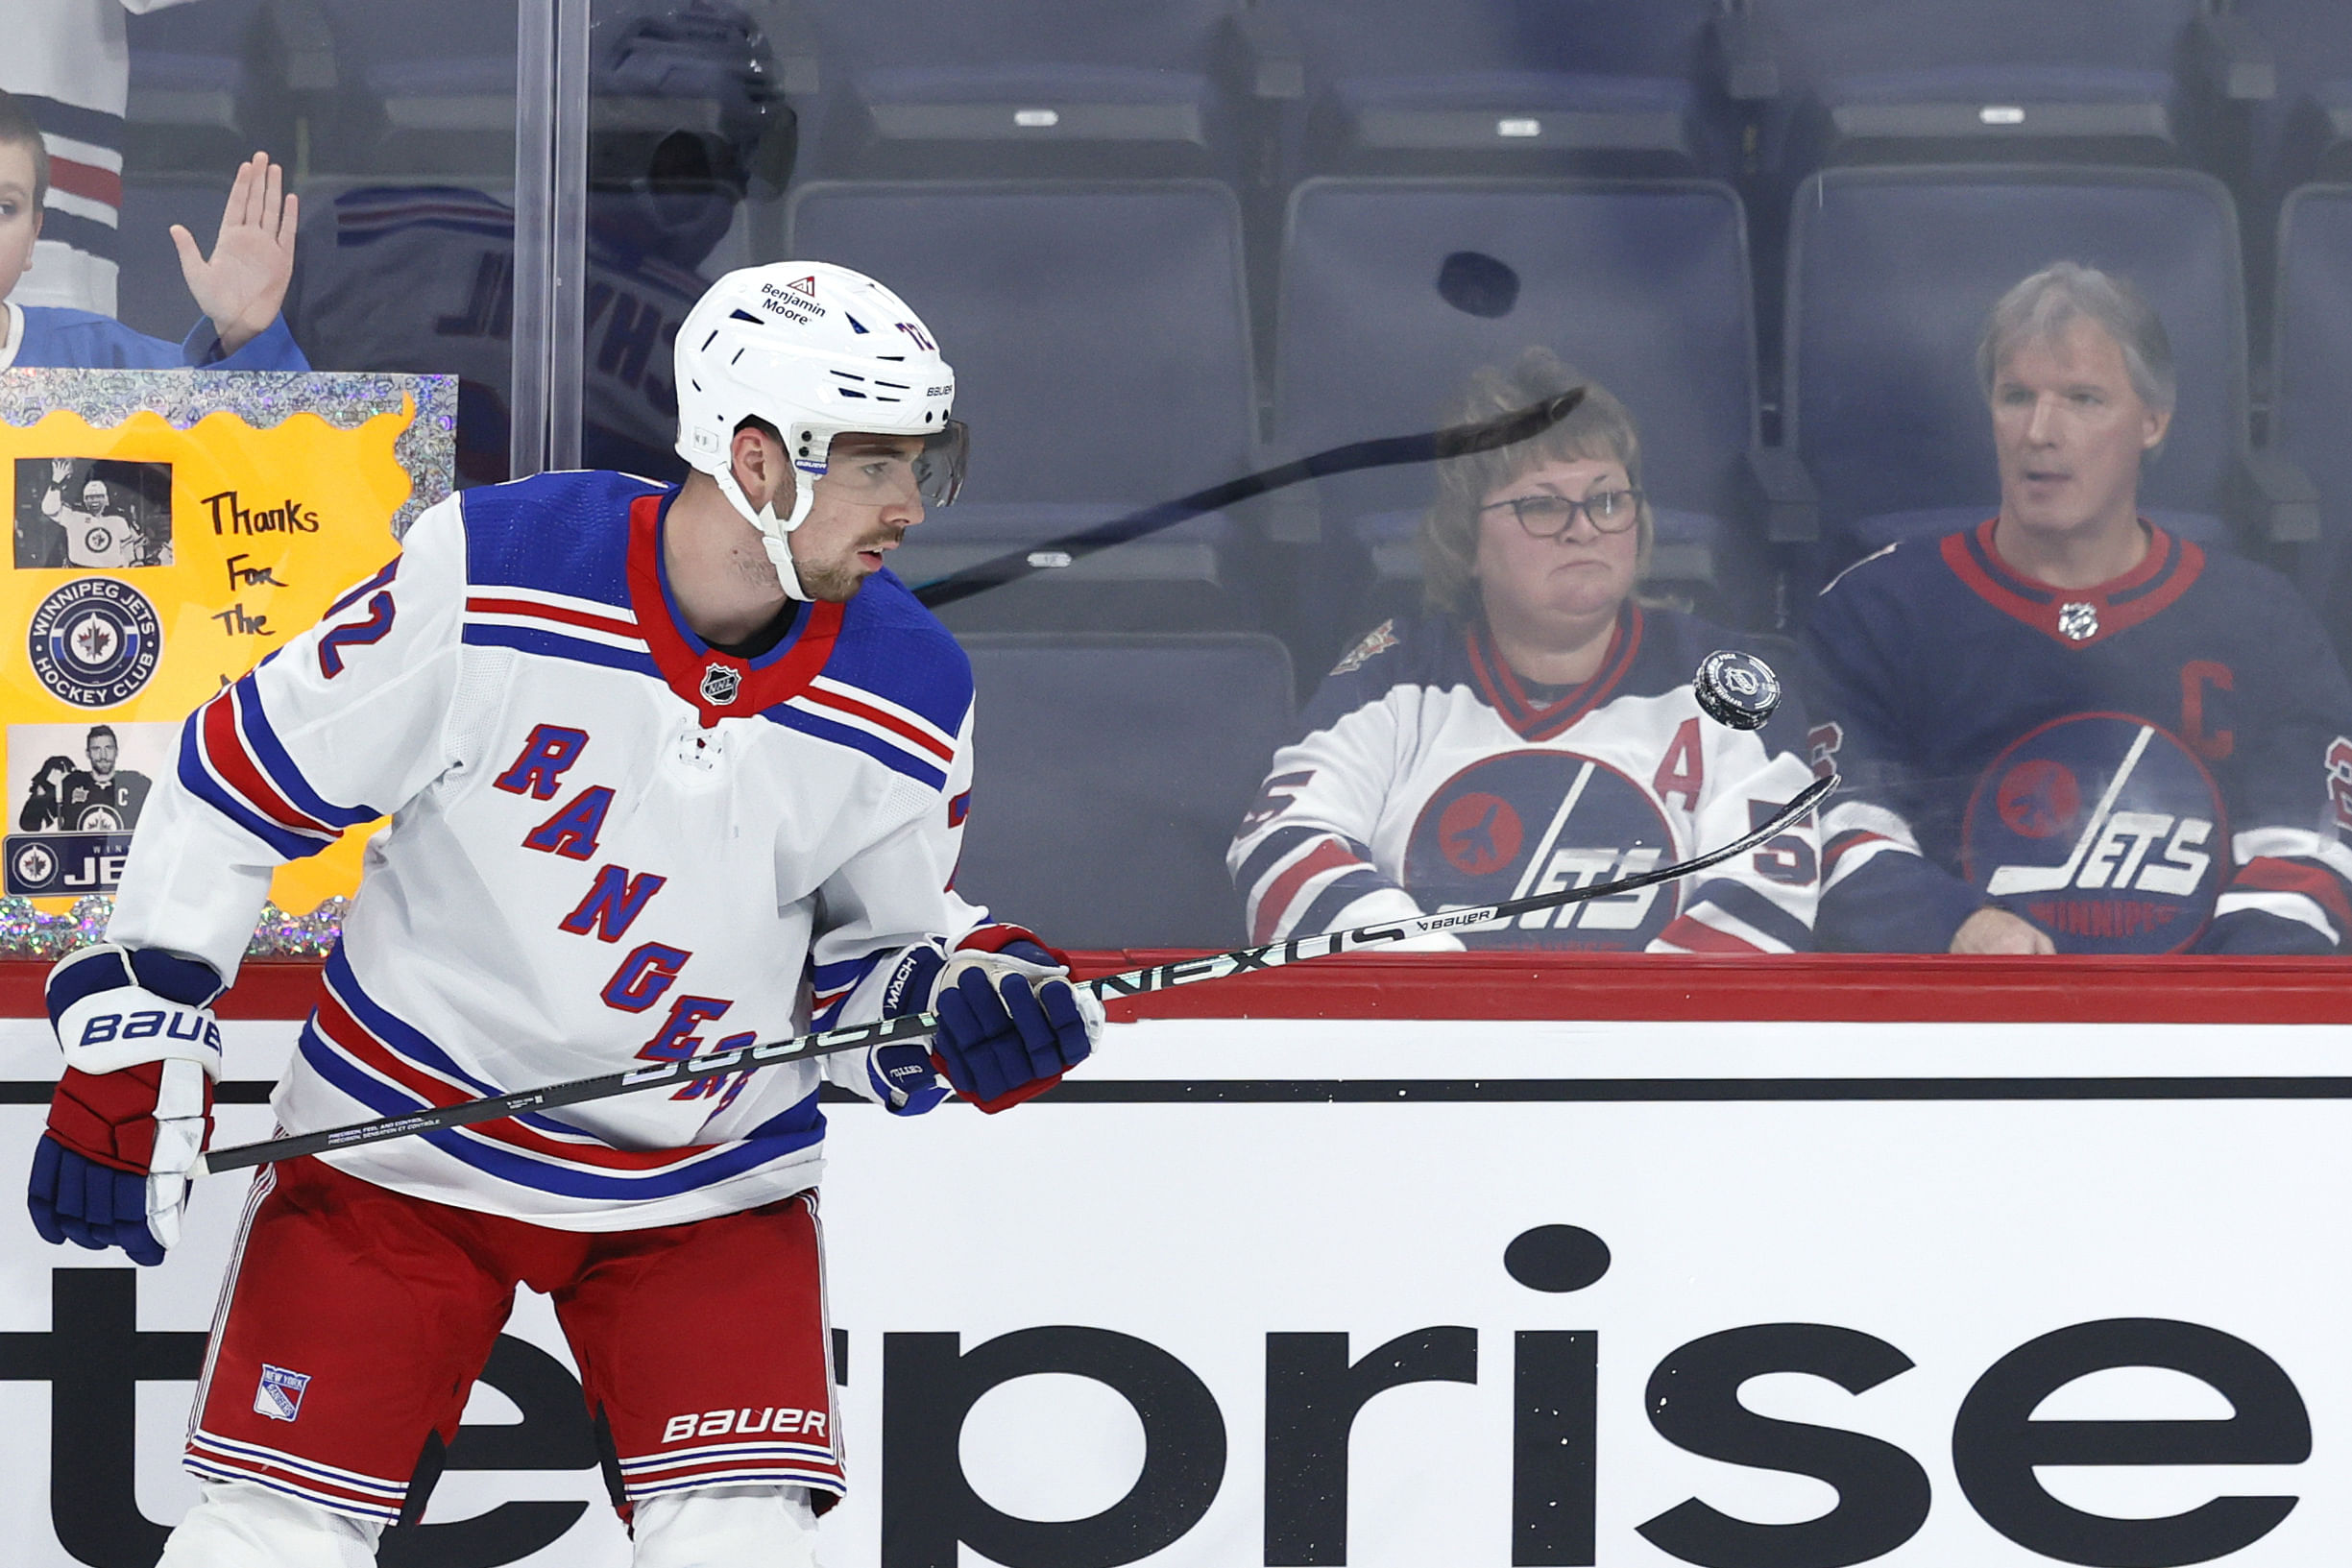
[[170, 530]]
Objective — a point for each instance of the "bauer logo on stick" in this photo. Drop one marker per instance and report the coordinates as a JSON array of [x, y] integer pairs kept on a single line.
[[1737, 688]]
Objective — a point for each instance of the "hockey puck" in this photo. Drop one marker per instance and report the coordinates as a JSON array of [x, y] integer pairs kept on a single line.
[[1737, 688]]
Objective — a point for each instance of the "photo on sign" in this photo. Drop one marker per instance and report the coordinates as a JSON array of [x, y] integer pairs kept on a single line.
[[75, 792], [92, 511]]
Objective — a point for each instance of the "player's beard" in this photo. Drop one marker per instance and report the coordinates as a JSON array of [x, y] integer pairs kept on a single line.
[[838, 581]]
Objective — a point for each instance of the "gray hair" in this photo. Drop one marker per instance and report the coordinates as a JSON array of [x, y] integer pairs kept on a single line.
[[2044, 305]]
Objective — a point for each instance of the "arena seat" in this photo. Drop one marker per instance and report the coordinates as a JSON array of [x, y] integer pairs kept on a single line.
[[1101, 344], [1113, 771], [1892, 272], [2313, 374], [1516, 86], [2306, 131], [1998, 79], [1003, 87], [428, 89], [1394, 290], [189, 81]]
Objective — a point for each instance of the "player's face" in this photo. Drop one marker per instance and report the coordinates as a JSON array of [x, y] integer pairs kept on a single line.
[[102, 753], [2070, 431], [94, 496], [20, 221], [1562, 583], [864, 504]]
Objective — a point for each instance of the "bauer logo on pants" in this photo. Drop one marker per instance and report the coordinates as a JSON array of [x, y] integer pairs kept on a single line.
[[280, 1395]]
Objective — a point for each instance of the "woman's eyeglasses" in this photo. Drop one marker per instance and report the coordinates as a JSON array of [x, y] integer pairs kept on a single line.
[[1547, 517]]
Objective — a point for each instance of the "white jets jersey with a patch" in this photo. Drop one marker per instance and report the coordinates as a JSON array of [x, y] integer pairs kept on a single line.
[[1431, 777], [610, 845]]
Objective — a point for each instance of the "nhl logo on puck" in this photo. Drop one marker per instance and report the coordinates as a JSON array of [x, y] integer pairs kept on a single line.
[[1736, 688], [95, 642], [720, 683], [2078, 622]]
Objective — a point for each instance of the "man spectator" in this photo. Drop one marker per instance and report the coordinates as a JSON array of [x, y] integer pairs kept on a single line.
[[69, 800], [2067, 729]]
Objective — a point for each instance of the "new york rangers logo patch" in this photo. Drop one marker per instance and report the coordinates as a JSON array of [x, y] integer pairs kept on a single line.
[[280, 1396], [720, 683]]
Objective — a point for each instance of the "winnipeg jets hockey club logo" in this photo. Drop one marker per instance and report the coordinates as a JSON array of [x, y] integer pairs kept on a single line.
[[2078, 622], [95, 641], [33, 866], [280, 1394], [2103, 829], [1530, 822], [720, 683]]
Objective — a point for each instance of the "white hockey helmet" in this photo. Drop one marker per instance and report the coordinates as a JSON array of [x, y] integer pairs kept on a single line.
[[816, 350]]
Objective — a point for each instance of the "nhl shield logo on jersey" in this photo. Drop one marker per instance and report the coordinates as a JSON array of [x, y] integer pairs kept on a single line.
[[95, 641], [1529, 822], [279, 1393], [719, 684], [2078, 622], [2105, 830]]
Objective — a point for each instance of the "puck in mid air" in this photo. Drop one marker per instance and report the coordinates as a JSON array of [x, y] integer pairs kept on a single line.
[[1737, 688]]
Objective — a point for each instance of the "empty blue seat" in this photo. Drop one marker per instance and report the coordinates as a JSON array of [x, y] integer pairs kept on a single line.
[[189, 68], [1112, 773], [1101, 344], [1018, 86], [1892, 273], [1393, 291], [2313, 373], [1540, 86], [1988, 79], [2306, 131]]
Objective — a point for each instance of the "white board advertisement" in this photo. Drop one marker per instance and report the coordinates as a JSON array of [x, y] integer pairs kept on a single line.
[[1395, 1294]]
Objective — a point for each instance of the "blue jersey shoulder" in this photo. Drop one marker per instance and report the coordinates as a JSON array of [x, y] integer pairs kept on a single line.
[[560, 533], [890, 645], [57, 338]]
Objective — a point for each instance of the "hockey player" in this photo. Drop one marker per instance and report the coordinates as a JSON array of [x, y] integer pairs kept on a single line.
[[2067, 729], [1535, 731], [100, 800], [95, 534], [239, 286], [670, 770]]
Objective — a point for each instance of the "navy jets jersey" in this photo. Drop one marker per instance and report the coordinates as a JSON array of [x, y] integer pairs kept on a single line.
[[2157, 764], [1431, 777], [610, 844]]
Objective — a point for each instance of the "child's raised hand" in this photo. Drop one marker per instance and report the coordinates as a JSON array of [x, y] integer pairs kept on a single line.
[[244, 281]]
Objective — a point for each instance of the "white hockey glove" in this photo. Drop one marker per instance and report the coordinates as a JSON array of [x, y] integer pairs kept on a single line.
[[134, 1106]]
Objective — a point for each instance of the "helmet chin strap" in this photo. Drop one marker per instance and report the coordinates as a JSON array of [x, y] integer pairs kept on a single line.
[[775, 533]]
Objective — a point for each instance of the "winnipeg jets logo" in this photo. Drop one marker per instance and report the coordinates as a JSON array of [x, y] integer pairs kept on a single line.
[[1379, 639], [2078, 622], [719, 684]]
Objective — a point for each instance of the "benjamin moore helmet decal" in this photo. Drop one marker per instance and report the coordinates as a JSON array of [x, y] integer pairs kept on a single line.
[[1530, 822], [2105, 830]]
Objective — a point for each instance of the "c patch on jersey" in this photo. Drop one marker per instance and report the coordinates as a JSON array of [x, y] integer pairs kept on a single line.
[[1528, 822], [95, 641], [2105, 830]]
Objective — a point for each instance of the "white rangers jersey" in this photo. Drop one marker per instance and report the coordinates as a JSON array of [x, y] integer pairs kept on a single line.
[[610, 844], [1431, 777]]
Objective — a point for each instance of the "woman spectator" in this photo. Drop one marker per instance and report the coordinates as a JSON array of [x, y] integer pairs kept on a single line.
[[1534, 727]]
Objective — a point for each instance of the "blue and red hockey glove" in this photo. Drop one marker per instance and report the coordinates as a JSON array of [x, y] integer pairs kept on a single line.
[[134, 1106], [1011, 1022]]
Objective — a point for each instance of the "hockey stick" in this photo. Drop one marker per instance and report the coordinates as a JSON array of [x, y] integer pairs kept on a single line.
[[1388, 451], [1135, 983]]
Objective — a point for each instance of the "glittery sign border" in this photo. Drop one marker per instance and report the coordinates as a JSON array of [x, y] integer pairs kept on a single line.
[[427, 451]]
